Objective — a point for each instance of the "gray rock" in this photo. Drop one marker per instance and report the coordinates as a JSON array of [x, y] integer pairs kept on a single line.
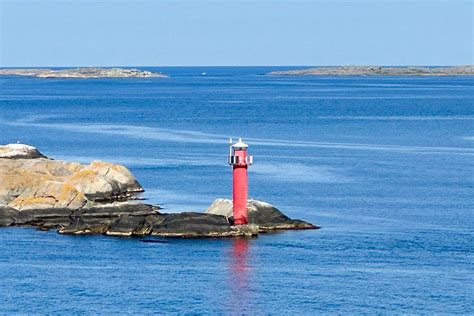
[[118, 209], [120, 219], [192, 224], [265, 215], [127, 225], [8, 216], [81, 226], [50, 217]]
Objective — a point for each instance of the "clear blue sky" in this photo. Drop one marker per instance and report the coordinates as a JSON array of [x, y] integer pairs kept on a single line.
[[239, 32]]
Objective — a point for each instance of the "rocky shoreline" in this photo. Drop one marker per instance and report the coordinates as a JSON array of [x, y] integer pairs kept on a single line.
[[99, 198], [379, 71], [89, 72]]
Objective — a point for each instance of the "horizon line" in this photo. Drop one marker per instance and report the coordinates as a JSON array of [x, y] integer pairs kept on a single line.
[[248, 66]]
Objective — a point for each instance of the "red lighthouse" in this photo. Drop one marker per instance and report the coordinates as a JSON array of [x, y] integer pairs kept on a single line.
[[239, 161]]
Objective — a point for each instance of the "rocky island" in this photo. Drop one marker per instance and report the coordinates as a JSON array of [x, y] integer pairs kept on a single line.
[[379, 71], [101, 198], [89, 72]]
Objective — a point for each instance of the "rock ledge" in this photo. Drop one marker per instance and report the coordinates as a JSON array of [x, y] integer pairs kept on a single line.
[[137, 219]]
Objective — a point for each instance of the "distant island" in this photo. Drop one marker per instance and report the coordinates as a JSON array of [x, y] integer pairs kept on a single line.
[[379, 71], [89, 72]]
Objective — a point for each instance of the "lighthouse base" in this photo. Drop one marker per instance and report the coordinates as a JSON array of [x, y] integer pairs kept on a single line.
[[247, 230]]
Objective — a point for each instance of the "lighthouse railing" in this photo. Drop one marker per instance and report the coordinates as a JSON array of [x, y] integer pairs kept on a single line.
[[234, 160]]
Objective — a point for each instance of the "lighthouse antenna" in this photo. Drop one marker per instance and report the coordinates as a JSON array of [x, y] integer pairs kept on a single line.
[[230, 146]]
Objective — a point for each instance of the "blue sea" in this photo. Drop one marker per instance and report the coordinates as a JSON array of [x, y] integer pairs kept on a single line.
[[385, 165]]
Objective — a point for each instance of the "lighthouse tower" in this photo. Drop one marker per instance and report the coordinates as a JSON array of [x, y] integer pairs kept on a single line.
[[239, 161]]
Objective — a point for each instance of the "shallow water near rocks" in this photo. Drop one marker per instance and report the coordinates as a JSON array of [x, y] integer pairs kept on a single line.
[[383, 164]]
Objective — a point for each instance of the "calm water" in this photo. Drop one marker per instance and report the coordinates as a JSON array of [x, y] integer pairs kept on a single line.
[[384, 165]]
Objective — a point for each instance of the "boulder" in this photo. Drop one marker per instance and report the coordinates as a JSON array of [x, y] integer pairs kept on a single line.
[[117, 174], [24, 171], [94, 186], [19, 151], [103, 181], [265, 215]]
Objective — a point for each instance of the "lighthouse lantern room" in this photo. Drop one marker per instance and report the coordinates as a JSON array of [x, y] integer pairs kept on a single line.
[[239, 160]]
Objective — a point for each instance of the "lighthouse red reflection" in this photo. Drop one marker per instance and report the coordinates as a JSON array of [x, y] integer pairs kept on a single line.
[[239, 283], [239, 258]]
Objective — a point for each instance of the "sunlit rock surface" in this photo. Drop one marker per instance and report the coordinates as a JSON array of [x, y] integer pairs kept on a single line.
[[29, 180], [19, 151], [50, 194]]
